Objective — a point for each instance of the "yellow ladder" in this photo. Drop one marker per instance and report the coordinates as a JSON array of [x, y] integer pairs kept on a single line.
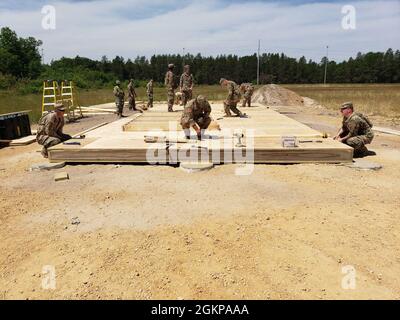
[[69, 100], [50, 95]]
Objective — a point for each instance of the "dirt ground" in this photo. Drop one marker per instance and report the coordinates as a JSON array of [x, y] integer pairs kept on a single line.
[[157, 232]]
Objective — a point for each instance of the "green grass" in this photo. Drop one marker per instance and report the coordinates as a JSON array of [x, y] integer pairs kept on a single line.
[[378, 99], [373, 99]]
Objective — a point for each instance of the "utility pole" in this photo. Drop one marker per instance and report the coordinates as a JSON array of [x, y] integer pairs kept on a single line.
[[258, 63], [326, 63], [183, 57]]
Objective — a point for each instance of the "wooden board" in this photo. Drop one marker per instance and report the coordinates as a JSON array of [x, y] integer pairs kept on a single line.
[[123, 141], [20, 142], [386, 130]]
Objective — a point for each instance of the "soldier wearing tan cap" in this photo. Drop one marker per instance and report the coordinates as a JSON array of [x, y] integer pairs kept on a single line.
[[50, 129], [356, 130]]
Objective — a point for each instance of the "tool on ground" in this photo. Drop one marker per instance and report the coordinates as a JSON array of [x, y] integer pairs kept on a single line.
[[239, 136], [73, 143], [310, 141]]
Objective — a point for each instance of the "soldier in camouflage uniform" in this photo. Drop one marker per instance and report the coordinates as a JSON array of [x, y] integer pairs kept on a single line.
[[230, 104], [149, 91], [247, 90], [50, 129], [119, 98], [356, 130], [132, 95], [171, 86], [186, 85], [196, 115]]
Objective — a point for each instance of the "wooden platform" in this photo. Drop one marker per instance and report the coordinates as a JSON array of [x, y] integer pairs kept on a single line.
[[20, 142], [123, 141]]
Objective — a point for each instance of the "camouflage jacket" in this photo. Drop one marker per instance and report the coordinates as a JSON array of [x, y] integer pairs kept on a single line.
[[131, 90], [186, 82], [149, 88], [50, 126], [194, 111], [355, 125], [119, 94], [247, 89], [233, 91], [170, 80]]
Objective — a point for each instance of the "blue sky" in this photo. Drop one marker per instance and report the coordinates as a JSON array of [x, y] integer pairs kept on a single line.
[[141, 27]]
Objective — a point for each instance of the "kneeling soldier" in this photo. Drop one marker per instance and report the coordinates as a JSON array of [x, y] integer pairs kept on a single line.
[[50, 129], [233, 98], [196, 115], [356, 130]]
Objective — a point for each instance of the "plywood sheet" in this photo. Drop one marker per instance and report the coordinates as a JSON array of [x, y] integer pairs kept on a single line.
[[123, 141]]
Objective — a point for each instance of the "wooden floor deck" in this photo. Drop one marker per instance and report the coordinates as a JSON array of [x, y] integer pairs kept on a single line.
[[124, 140]]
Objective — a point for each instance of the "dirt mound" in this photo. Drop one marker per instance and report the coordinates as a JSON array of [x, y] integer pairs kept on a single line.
[[274, 95]]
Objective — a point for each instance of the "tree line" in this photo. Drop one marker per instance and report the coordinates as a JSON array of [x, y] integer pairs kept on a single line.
[[21, 65]]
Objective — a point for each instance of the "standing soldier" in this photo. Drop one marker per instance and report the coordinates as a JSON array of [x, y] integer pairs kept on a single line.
[[132, 95], [356, 130], [149, 91], [171, 86], [50, 129], [247, 90], [186, 85], [230, 104], [196, 115], [119, 98]]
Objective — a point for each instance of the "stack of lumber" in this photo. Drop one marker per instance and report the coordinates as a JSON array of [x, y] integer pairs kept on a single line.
[[127, 140]]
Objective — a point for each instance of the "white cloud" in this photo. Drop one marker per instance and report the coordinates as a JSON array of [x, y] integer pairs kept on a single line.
[[129, 28]]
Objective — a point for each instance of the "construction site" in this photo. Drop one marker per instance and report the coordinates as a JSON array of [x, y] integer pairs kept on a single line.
[[199, 159], [268, 206]]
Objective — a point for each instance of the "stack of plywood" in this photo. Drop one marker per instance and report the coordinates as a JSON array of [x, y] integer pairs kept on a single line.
[[124, 141]]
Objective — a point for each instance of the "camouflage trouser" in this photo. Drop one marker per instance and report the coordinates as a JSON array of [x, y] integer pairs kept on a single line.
[[231, 106], [203, 123], [170, 98], [120, 107], [149, 101], [132, 103], [186, 96], [47, 142], [246, 101], [358, 143]]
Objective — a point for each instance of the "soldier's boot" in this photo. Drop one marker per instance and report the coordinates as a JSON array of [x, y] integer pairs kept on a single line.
[[249, 102], [361, 152], [236, 111], [227, 111], [170, 109], [187, 133], [44, 152]]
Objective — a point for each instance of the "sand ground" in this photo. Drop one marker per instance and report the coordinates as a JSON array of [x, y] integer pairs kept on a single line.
[[157, 232]]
